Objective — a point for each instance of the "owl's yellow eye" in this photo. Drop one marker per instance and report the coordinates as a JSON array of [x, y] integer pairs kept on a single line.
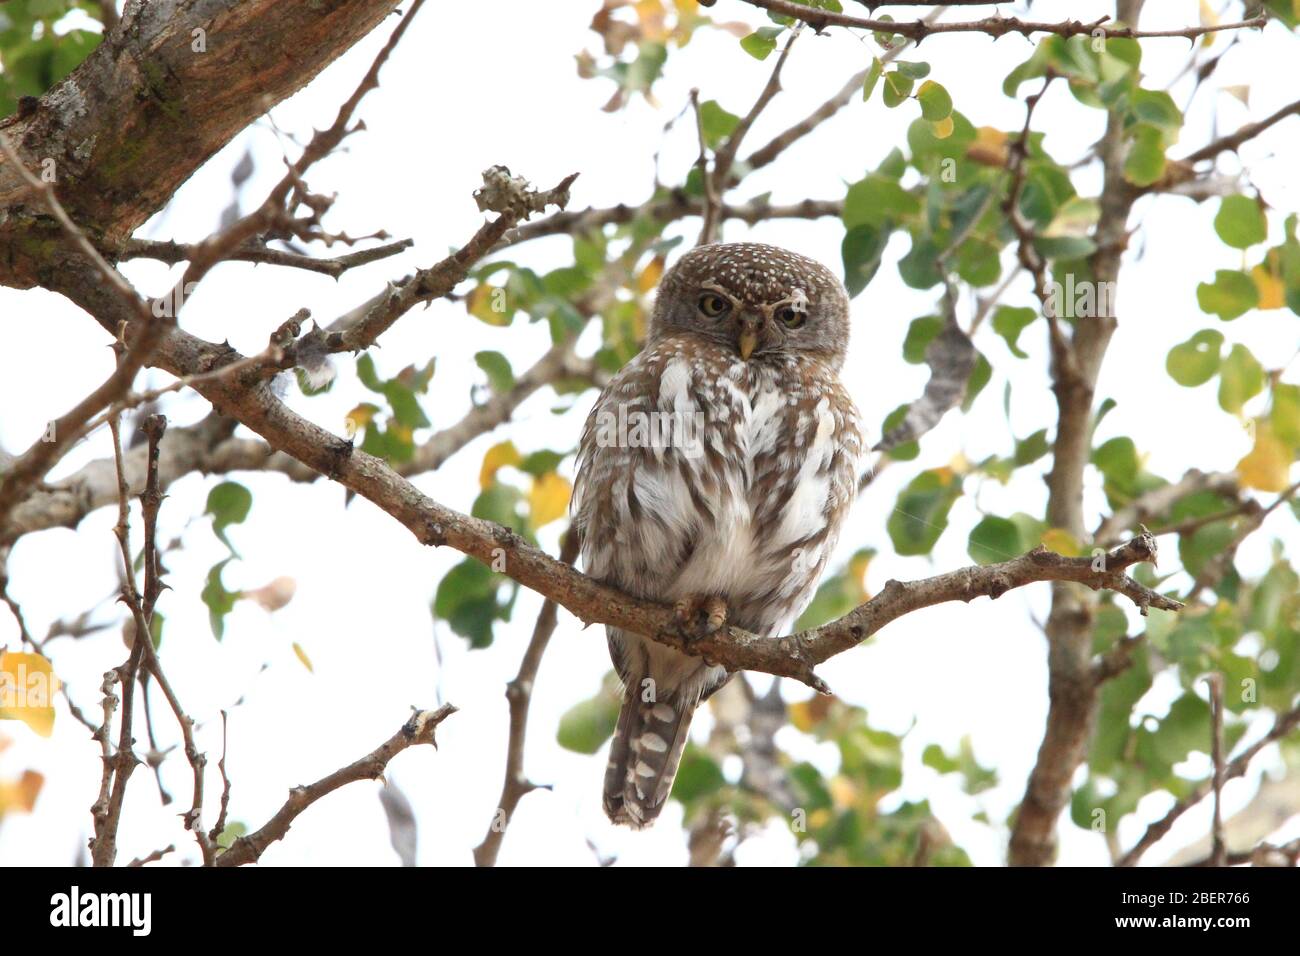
[[791, 317], [714, 305]]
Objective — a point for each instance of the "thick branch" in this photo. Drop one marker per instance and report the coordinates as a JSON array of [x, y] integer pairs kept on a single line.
[[147, 108]]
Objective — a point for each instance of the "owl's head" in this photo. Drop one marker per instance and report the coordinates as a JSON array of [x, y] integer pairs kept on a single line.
[[756, 300]]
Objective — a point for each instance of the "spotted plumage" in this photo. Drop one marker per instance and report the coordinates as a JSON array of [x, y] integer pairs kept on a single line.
[[718, 465]]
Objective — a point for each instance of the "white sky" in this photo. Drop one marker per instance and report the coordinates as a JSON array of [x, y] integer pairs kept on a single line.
[[465, 91]]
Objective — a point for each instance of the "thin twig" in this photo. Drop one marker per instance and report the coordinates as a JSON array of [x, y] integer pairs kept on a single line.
[[173, 252], [1283, 725], [418, 730], [1215, 683], [519, 692]]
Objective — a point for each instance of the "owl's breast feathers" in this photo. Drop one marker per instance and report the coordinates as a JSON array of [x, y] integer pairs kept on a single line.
[[701, 473]]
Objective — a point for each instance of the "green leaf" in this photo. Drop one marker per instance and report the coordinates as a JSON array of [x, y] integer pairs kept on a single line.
[[1241, 378], [716, 123], [467, 600], [1233, 293], [500, 375], [541, 462], [870, 80], [1195, 361], [698, 776], [993, 540], [220, 602], [228, 503], [898, 87], [921, 514], [367, 374], [1157, 108], [918, 268], [861, 250], [1240, 222], [979, 262], [912, 70], [586, 726], [935, 102], [1117, 459], [1064, 247], [761, 42], [1031, 449], [1009, 322], [920, 333], [1146, 159], [876, 200], [980, 376], [1285, 415]]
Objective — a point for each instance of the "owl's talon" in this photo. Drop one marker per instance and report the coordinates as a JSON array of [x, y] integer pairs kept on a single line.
[[699, 615]]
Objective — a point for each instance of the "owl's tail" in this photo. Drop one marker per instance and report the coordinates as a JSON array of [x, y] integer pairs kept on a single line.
[[644, 756]]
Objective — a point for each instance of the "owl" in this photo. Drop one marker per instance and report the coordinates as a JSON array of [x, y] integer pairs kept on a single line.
[[714, 473]]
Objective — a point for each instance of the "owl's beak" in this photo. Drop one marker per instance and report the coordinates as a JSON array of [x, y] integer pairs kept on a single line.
[[747, 339]]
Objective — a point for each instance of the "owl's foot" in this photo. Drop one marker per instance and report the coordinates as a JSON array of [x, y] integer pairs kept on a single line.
[[699, 615]]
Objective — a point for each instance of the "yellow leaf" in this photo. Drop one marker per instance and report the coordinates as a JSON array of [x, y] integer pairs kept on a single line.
[[1268, 465], [19, 796], [403, 433], [807, 714], [1272, 293], [497, 457], [359, 417], [650, 275], [27, 689], [989, 147], [1062, 542], [302, 656], [858, 569], [651, 13], [843, 792], [487, 304], [1208, 19], [942, 129], [549, 498]]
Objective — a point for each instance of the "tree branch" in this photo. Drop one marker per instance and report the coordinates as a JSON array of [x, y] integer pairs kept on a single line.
[[173, 252], [519, 692], [995, 26], [1283, 725], [418, 730]]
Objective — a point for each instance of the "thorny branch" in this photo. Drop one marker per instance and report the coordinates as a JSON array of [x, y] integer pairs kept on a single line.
[[995, 26]]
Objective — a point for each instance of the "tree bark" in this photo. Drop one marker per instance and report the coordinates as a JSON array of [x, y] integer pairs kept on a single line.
[[170, 85]]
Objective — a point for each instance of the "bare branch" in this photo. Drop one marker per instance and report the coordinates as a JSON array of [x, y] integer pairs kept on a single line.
[[1215, 683], [995, 26], [1233, 141], [174, 252], [519, 692], [418, 730]]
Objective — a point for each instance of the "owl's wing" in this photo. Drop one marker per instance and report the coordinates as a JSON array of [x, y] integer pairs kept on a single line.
[[648, 484]]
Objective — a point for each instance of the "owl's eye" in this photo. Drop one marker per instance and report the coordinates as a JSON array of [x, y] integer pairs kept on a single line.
[[714, 305], [791, 317]]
